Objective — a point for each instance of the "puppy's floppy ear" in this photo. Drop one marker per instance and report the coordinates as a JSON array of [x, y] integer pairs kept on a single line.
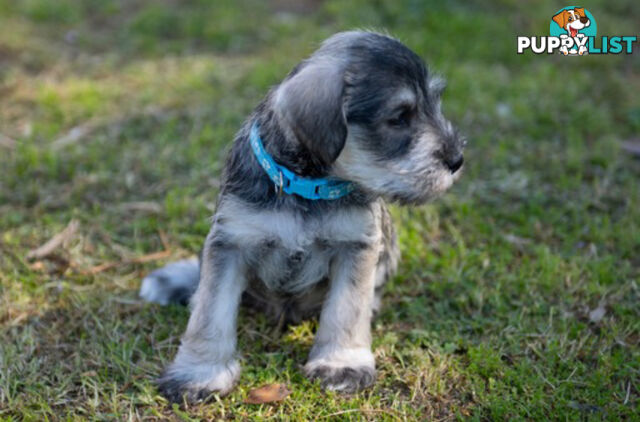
[[436, 86], [311, 103], [561, 19], [580, 11]]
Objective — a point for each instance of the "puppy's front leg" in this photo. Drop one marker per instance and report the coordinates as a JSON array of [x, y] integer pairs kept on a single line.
[[206, 359], [341, 355]]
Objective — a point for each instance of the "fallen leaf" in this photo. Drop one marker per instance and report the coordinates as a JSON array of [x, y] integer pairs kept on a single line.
[[55, 242], [597, 314], [267, 394], [37, 266]]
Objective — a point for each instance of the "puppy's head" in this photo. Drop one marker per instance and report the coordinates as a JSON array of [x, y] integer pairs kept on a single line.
[[366, 107]]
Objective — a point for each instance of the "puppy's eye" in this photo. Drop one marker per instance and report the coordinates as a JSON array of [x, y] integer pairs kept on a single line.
[[402, 119]]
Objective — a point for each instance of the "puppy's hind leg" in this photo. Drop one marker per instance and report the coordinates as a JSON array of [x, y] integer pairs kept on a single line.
[[206, 360], [173, 283]]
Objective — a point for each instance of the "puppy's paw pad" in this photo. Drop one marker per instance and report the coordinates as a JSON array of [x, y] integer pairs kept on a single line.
[[343, 379]]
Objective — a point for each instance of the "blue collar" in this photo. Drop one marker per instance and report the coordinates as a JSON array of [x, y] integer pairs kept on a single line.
[[288, 182]]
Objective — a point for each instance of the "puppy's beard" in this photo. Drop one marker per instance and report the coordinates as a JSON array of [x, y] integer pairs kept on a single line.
[[418, 176]]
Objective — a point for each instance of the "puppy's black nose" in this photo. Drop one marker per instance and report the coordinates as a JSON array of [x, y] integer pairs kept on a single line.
[[584, 19], [454, 163]]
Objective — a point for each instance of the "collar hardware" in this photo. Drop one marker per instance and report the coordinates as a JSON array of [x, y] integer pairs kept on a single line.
[[290, 183]]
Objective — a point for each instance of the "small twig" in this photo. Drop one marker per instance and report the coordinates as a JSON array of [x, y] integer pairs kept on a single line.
[[139, 260], [163, 239], [55, 242], [570, 375], [81, 131], [74, 135], [142, 206], [519, 242]]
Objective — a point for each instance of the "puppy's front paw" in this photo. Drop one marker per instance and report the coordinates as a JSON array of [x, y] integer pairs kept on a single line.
[[343, 379], [196, 383], [345, 371]]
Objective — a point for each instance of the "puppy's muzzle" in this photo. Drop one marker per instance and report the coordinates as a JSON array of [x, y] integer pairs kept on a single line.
[[452, 152], [454, 163]]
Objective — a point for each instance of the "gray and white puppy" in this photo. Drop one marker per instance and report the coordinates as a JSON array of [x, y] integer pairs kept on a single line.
[[363, 108]]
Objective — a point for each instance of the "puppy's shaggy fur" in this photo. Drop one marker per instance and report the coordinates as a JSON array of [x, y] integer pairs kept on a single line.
[[362, 108]]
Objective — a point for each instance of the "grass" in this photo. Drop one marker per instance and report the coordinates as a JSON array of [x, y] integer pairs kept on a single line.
[[517, 296]]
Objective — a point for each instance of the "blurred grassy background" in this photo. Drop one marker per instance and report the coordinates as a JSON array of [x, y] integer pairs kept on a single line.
[[517, 296]]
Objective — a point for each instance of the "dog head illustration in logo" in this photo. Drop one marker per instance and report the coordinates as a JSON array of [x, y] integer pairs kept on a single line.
[[573, 21]]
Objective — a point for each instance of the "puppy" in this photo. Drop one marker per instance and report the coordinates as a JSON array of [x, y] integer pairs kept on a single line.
[[572, 21], [301, 228]]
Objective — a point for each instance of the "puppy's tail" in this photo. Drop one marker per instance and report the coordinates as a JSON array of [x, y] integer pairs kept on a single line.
[[174, 283]]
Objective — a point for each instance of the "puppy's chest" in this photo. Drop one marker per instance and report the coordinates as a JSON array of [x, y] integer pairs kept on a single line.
[[291, 269], [289, 252]]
